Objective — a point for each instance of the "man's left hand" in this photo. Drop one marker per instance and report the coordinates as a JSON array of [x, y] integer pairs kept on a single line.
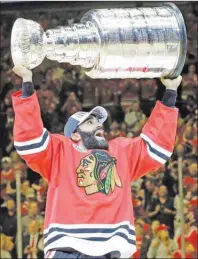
[[172, 84]]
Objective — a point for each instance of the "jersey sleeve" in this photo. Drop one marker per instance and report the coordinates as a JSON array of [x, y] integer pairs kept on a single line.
[[32, 141], [155, 145]]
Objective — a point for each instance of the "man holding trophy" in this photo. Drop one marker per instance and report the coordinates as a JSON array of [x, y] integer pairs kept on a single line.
[[89, 212]]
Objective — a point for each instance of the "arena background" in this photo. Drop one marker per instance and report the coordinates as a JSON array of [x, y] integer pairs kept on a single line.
[[64, 89]]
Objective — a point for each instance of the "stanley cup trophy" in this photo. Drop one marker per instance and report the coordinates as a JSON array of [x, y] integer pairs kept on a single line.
[[109, 43]]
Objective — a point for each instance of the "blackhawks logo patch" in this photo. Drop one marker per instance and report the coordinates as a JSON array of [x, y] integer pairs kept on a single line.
[[97, 173]]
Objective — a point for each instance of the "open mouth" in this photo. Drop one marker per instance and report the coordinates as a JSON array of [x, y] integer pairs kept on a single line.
[[80, 181], [99, 133]]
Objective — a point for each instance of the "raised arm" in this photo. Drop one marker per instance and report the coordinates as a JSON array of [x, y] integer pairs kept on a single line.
[[32, 141], [156, 142]]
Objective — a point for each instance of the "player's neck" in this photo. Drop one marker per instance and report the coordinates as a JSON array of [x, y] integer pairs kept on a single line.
[[80, 146]]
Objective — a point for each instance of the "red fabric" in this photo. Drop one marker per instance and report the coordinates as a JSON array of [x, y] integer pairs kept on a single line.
[[60, 159], [178, 254], [136, 255], [138, 246], [136, 202], [188, 180], [146, 228], [42, 191], [8, 176], [191, 238], [24, 208], [162, 227], [194, 203]]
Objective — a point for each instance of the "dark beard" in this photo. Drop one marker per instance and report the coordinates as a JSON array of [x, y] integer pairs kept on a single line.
[[91, 142]]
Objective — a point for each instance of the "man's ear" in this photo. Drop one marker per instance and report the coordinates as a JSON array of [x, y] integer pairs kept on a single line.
[[75, 137]]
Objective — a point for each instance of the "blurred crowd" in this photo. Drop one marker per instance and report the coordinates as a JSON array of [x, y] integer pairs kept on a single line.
[[62, 90]]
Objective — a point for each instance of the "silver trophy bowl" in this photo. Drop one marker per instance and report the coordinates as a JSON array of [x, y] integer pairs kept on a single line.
[[109, 43], [27, 43]]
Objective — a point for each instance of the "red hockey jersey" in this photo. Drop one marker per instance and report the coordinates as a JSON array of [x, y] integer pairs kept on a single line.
[[89, 204]]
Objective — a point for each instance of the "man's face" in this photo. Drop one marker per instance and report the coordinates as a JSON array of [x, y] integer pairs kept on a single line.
[[25, 185], [136, 107], [193, 169], [10, 204], [85, 171], [33, 209], [92, 134], [6, 166], [192, 68], [164, 235], [162, 191], [149, 186]]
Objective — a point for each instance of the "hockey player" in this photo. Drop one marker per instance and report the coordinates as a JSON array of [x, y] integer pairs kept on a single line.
[[89, 211]]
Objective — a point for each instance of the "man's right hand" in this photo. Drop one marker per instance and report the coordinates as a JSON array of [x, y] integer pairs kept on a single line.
[[172, 84], [23, 72]]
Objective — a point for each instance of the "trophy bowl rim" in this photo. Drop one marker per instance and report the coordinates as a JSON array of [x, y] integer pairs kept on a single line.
[[183, 49], [16, 52], [13, 39]]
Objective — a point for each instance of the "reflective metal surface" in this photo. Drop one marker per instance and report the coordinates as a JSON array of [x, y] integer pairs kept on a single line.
[[27, 43], [109, 43]]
